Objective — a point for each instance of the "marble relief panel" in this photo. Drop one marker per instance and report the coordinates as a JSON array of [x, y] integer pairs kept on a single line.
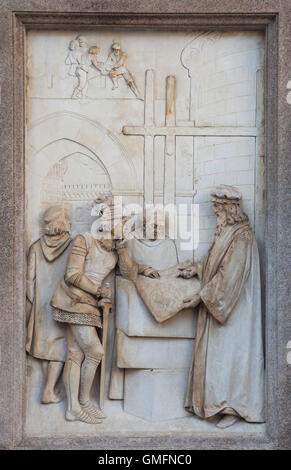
[[151, 118]]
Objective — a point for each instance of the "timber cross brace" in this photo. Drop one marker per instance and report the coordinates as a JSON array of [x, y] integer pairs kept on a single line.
[[170, 131]]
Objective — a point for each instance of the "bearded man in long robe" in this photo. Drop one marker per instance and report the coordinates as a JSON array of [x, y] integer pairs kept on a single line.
[[227, 371]]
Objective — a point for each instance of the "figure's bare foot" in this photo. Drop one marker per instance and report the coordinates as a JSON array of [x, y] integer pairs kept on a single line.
[[226, 421], [49, 396], [93, 410], [81, 415]]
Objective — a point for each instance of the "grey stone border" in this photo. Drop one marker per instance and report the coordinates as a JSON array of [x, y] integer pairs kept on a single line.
[[272, 16]]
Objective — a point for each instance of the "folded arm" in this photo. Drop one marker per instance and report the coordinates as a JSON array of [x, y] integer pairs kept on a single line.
[[128, 267]]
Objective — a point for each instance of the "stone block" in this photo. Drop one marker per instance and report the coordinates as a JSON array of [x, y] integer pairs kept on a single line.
[[237, 164], [216, 166], [153, 353], [134, 318], [145, 393]]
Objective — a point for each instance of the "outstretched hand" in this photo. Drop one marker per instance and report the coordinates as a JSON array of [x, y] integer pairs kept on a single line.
[[187, 270], [192, 301], [187, 273]]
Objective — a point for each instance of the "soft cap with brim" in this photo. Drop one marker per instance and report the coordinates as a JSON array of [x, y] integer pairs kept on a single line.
[[226, 194]]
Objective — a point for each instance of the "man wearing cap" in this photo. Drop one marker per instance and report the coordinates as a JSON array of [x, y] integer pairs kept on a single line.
[[77, 301], [85, 61], [115, 66], [46, 339], [227, 372]]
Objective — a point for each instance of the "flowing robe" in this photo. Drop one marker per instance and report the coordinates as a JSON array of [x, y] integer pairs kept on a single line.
[[46, 339], [227, 371]]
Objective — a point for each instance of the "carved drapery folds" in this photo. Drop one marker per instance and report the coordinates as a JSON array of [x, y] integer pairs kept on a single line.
[[149, 119]]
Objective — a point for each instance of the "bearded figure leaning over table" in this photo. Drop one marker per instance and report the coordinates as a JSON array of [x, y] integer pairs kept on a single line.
[[227, 371]]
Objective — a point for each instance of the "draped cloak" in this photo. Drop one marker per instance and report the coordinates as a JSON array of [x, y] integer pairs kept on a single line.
[[227, 370], [46, 261]]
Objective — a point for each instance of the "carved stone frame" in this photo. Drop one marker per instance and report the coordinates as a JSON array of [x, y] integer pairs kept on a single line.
[[17, 17]]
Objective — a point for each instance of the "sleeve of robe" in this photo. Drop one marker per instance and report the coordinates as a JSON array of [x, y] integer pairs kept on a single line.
[[30, 293], [127, 267], [75, 267], [221, 294], [30, 275]]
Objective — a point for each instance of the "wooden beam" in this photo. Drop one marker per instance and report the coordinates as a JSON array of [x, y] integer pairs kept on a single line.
[[191, 131], [170, 144]]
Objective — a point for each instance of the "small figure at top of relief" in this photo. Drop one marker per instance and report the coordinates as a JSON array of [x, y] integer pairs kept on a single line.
[[83, 44], [116, 68], [80, 58], [77, 48], [87, 60], [72, 58]]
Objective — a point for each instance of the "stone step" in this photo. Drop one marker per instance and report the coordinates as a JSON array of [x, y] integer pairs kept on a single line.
[[153, 353], [156, 395]]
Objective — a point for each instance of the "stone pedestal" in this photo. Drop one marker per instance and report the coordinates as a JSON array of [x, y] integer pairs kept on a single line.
[[155, 356], [153, 353], [156, 395]]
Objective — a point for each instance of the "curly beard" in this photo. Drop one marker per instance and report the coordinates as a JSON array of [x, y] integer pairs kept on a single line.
[[220, 224]]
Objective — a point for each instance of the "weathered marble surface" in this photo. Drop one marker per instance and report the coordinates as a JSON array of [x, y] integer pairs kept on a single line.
[[144, 393], [132, 426], [78, 147], [61, 15], [153, 353]]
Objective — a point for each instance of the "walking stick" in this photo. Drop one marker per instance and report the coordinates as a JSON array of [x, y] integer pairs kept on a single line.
[[106, 306]]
